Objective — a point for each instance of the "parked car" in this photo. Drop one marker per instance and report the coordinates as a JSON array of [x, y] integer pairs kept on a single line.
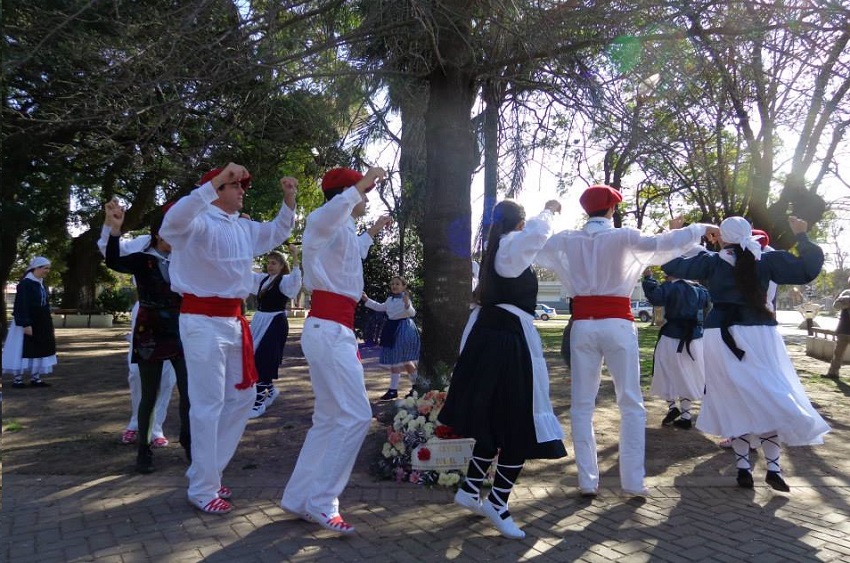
[[642, 310], [544, 312]]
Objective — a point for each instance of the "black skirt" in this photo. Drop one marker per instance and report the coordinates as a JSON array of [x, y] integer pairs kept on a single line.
[[491, 391]]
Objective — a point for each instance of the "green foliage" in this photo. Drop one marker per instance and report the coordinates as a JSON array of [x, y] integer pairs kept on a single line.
[[115, 302]]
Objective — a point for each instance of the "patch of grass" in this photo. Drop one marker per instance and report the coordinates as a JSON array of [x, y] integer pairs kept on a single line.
[[13, 426]]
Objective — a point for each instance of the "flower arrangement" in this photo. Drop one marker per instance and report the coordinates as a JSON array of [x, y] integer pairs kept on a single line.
[[414, 423]]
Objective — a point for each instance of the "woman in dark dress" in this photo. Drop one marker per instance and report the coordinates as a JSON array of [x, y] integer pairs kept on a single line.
[[499, 392], [31, 343], [156, 334]]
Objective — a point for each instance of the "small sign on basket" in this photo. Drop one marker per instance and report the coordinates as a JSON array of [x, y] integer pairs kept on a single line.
[[442, 455]]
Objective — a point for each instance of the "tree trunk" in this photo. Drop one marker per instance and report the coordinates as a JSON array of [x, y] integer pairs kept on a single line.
[[447, 226], [79, 280], [491, 157]]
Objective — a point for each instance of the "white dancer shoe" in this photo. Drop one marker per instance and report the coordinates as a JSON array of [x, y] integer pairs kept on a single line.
[[469, 501], [271, 395], [503, 522]]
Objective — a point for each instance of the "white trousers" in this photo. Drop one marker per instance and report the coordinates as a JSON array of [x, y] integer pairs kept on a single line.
[[219, 411], [615, 340], [341, 418]]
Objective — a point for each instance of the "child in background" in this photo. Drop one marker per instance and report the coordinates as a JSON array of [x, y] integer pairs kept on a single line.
[[400, 338]]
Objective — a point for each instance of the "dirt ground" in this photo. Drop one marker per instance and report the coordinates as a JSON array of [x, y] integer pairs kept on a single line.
[[73, 427]]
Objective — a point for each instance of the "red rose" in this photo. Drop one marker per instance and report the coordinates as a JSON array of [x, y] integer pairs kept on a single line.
[[424, 454]]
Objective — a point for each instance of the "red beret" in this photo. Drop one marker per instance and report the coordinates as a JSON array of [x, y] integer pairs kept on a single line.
[[245, 182], [764, 238], [341, 178], [597, 198]]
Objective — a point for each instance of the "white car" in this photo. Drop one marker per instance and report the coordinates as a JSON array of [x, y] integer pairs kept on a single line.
[[642, 310], [543, 312]]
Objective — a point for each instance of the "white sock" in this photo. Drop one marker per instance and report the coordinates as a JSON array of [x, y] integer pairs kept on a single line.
[[394, 379]]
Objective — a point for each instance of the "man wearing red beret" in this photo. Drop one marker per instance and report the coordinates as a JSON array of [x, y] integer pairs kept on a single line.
[[332, 255], [211, 259], [599, 267]]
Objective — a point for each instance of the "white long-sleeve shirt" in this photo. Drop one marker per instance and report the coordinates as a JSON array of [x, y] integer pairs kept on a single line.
[[212, 251], [602, 260], [289, 285], [332, 252], [393, 307], [519, 249], [126, 246]]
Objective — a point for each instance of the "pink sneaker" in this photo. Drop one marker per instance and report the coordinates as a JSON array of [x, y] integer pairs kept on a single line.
[[159, 442], [129, 436]]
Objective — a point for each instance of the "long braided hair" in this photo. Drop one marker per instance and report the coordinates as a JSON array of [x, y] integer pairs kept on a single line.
[[746, 279]]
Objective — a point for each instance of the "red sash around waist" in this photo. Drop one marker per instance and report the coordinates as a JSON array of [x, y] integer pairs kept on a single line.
[[601, 307], [333, 307], [227, 307]]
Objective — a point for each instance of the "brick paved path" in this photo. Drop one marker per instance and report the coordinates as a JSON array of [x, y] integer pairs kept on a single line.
[[696, 514]]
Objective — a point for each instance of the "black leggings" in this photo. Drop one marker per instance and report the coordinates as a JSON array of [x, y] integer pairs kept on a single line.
[[150, 374]]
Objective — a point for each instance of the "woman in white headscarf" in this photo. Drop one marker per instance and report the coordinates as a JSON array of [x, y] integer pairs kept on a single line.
[[31, 343], [752, 390]]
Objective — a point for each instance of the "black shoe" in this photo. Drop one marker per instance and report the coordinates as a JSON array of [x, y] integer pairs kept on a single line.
[[390, 395], [19, 385], [144, 462], [683, 423], [672, 415], [776, 482], [410, 393], [745, 479], [39, 383]]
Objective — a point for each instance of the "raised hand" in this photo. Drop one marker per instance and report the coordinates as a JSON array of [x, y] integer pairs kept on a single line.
[[676, 222], [232, 173], [374, 174], [114, 216], [797, 225], [289, 185]]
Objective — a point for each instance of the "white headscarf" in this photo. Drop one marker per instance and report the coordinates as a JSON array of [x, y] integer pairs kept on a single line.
[[737, 230], [38, 262]]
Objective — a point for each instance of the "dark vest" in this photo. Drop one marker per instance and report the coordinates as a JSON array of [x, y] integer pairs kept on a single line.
[[520, 291], [271, 300]]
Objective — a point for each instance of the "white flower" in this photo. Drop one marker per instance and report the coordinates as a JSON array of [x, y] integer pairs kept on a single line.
[[429, 429], [400, 448], [420, 421], [387, 450]]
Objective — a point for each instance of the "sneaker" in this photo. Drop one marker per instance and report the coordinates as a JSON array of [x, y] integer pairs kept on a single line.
[[745, 479], [129, 436], [503, 521], [271, 395], [159, 442], [215, 506], [638, 493], [469, 501], [225, 493], [683, 423], [19, 385], [672, 415], [333, 523], [588, 493], [390, 395], [258, 409], [39, 383], [776, 482]]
